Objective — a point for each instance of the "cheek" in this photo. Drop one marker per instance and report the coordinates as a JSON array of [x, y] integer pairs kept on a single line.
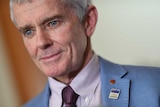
[[80, 40], [79, 46], [76, 36], [30, 48]]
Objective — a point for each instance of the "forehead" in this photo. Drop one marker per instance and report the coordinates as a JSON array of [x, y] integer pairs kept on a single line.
[[37, 9], [36, 3]]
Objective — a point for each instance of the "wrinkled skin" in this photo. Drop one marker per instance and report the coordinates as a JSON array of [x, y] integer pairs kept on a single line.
[[56, 40]]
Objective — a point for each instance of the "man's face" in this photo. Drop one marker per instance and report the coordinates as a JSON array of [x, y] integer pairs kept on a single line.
[[53, 35]]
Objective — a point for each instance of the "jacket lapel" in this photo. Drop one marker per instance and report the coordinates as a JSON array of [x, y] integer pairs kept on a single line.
[[112, 79]]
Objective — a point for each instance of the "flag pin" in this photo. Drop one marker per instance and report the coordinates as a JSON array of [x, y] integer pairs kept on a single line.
[[114, 93]]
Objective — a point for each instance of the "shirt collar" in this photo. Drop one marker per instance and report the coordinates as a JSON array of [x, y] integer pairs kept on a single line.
[[86, 82]]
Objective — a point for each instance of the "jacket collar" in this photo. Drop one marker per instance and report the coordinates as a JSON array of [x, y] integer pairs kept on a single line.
[[112, 77]]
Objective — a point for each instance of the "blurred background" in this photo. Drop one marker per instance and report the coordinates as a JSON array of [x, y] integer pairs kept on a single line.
[[128, 32]]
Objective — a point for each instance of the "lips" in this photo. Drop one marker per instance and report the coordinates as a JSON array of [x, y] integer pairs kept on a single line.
[[50, 57]]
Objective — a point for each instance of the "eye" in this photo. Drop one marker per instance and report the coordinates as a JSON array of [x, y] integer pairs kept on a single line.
[[53, 23], [28, 33]]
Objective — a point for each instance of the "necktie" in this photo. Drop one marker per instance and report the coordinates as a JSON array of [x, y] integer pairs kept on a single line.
[[69, 97]]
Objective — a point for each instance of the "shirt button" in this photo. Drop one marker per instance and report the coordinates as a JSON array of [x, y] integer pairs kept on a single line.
[[87, 101]]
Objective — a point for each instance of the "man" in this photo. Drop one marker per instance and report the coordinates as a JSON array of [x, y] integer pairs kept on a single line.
[[57, 35]]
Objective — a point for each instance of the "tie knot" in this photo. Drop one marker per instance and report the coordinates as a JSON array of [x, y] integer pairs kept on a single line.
[[69, 96]]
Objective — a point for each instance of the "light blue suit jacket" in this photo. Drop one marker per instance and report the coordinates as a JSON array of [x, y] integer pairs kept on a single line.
[[139, 86]]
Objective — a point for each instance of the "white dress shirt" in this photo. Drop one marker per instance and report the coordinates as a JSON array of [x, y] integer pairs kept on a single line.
[[86, 84]]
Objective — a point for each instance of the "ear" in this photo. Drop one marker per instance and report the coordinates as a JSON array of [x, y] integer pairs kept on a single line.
[[91, 20]]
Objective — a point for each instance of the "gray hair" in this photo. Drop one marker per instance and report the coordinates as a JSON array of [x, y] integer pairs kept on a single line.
[[79, 6]]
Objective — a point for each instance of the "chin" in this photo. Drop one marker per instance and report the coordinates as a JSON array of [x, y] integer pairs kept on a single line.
[[51, 73]]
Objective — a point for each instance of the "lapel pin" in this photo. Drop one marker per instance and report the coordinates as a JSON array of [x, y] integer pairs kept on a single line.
[[112, 81], [114, 93]]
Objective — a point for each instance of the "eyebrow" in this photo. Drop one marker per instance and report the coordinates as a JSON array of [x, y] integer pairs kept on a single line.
[[51, 18], [29, 26], [47, 19]]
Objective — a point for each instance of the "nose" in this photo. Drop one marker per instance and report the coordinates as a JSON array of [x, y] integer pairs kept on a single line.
[[43, 40]]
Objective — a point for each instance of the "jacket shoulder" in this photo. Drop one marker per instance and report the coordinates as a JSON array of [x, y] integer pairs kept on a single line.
[[40, 100]]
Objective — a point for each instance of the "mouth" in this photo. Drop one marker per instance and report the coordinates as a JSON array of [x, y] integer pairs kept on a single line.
[[50, 57]]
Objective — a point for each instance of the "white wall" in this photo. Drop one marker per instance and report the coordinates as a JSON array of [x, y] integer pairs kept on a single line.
[[8, 96], [128, 31]]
